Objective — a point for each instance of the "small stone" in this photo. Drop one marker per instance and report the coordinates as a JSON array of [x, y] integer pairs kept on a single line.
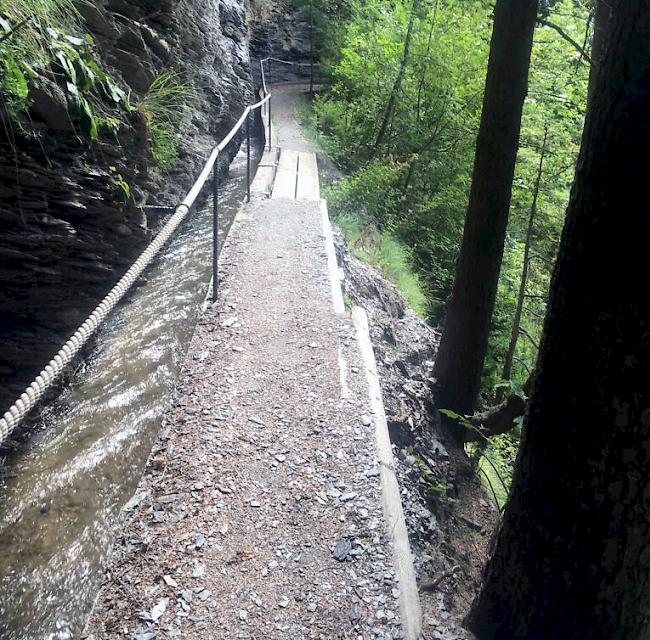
[[204, 595], [159, 609], [366, 421], [284, 602], [342, 549], [170, 581]]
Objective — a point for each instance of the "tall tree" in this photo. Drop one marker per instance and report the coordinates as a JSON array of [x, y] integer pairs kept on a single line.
[[469, 312], [399, 79], [521, 296], [572, 558]]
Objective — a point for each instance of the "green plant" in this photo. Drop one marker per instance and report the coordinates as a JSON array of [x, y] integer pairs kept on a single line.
[[86, 83], [37, 41], [162, 109], [120, 182]]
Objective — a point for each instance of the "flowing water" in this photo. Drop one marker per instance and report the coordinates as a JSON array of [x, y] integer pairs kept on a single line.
[[67, 485]]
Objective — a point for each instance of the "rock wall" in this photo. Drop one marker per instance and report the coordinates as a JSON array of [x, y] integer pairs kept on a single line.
[[67, 231], [280, 32]]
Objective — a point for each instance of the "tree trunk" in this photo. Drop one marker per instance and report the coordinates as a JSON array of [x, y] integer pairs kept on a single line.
[[467, 324], [602, 12], [311, 47], [397, 86], [516, 321], [572, 557]]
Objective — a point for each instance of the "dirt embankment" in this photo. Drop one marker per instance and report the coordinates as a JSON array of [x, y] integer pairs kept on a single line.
[[449, 516]]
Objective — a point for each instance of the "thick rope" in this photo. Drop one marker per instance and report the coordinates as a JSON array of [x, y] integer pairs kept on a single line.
[[46, 378]]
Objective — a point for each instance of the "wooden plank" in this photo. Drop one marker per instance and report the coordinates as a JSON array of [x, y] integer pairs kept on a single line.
[[263, 181], [308, 183], [286, 176]]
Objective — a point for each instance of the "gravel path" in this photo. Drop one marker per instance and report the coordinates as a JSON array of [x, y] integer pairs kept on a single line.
[[286, 99], [259, 515]]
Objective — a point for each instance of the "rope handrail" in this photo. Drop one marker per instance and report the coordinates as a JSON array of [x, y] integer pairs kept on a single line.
[[46, 378], [288, 62]]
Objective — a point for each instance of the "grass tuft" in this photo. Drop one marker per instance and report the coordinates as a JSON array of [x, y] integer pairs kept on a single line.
[[162, 108], [382, 250]]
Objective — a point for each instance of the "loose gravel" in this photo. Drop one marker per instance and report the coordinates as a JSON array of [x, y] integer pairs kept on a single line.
[[259, 514]]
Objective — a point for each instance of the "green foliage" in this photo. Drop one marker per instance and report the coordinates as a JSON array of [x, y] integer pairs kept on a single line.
[[120, 182], [416, 185], [37, 41], [85, 81], [162, 109], [496, 463]]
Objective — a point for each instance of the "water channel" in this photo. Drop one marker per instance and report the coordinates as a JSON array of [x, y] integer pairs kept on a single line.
[[64, 489]]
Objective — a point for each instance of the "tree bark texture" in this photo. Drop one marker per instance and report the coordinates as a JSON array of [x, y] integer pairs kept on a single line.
[[469, 312], [572, 557]]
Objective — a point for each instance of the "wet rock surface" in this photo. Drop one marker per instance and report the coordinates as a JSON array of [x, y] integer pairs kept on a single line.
[[281, 32], [67, 229], [259, 515]]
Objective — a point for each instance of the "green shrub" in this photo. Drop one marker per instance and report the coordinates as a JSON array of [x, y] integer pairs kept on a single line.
[[36, 39], [375, 190], [162, 109]]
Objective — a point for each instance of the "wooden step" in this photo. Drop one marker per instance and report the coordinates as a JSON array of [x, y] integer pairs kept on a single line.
[[297, 176], [286, 177], [308, 183]]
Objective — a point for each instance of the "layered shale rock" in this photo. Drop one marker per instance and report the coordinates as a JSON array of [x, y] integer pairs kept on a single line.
[[68, 229]]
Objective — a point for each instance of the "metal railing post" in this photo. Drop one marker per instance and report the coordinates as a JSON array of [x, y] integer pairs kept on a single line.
[[248, 158], [215, 232], [270, 126]]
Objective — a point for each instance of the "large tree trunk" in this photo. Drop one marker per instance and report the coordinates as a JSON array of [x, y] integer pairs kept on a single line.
[[602, 12], [572, 557], [467, 324], [516, 321]]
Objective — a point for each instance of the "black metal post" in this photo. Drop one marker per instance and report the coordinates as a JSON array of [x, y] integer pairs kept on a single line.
[[248, 158], [311, 48], [270, 127], [215, 232]]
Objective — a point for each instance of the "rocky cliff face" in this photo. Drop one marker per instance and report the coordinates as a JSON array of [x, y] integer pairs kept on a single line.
[[67, 228]]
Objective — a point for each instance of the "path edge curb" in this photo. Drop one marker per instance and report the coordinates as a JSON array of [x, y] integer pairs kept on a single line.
[[332, 263], [409, 599]]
